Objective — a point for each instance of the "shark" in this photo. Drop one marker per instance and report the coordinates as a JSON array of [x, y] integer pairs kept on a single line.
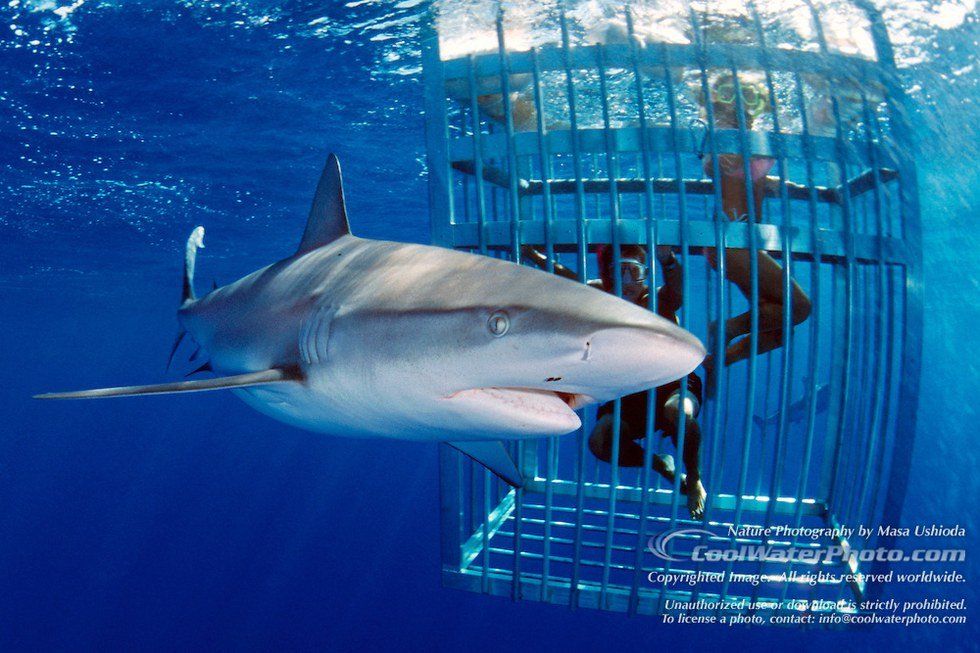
[[798, 410], [368, 338]]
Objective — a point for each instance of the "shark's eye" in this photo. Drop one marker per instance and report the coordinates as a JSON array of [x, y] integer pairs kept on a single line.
[[498, 324]]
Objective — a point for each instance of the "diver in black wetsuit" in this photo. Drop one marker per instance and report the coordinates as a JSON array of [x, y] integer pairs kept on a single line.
[[633, 419]]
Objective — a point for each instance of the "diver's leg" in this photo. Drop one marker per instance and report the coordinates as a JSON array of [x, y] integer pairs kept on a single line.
[[663, 464], [770, 318], [771, 290], [734, 205], [631, 454], [691, 481], [696, 493], [770, 311], [600, 443], [741, 349], [738, 267], [738, 270], [738, 329]]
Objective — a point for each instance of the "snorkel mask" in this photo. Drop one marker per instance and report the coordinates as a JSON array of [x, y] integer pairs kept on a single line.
[[755, 97], [632, 272]]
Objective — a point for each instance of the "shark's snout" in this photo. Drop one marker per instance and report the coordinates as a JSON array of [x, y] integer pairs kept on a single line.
[[641, 356], [623, 356]]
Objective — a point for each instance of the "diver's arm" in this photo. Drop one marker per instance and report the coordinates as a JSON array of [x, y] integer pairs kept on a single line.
[[540, 260], [670, 296]]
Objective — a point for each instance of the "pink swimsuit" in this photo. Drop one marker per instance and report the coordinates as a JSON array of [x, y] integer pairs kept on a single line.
[[731, 166]]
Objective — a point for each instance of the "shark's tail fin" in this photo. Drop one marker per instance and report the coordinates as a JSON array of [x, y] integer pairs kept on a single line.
[[194, 242]]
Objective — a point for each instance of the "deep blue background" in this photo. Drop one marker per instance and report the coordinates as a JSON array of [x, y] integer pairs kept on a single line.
[[195, 523]]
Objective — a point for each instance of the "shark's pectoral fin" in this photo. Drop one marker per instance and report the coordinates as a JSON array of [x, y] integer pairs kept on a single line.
[[328, 215], [264, 377], [492, 455], [206, 367]]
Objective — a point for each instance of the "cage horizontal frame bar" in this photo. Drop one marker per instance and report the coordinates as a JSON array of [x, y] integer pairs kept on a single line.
[[659, 138], [557, 539], [532, 555], [833, 244], [856, 186], [663, 497]]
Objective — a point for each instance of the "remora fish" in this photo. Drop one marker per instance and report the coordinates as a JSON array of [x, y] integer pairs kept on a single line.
[[360, 337]]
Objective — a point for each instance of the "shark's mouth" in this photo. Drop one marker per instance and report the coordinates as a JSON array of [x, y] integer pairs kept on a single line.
[[573, 400], [524, 410]]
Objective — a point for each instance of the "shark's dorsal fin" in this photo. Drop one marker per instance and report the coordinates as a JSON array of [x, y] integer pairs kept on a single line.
[[328, 215], [492, 455], [264, 377]]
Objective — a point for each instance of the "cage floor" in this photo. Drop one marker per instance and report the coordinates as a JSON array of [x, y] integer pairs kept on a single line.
[[583, 555]]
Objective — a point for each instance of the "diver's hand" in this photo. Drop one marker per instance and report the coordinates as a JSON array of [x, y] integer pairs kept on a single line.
[[665, 255]]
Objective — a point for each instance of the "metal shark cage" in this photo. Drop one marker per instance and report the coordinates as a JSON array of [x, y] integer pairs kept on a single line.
[[564, 144]]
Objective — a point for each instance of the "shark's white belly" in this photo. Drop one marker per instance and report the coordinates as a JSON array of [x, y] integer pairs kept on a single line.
[[299, 406], [304, 407], [296, 405]]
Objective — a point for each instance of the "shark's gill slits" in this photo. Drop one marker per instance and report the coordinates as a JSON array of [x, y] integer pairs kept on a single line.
[[315, 335]]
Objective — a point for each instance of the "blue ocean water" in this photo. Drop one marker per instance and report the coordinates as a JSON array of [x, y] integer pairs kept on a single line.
[[195, 523]]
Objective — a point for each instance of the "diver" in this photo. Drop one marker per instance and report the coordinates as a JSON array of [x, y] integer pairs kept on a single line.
[[735, 206], [667, 414]]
